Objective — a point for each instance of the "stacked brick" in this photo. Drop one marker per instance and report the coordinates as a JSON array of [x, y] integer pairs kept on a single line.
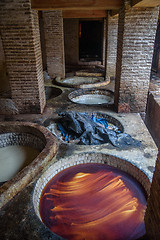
[[136, 34], [71, 42], [152, 216], [112, 45], [22, 139], [54, 40], [21, 41]]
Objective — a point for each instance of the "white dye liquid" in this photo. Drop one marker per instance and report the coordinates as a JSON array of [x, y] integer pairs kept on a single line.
[[13, 159], [82, 80], [92, 99]]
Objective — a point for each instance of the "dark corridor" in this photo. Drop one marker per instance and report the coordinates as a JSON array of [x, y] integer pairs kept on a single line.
[[90, 40]]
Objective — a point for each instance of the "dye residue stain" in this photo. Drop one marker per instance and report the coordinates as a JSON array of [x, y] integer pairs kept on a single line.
[[93, 202]]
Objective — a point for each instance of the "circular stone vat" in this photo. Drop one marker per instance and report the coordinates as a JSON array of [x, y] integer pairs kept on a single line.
[[25, 148], [90, 195], [92, 97], [114, 123], [52, 92], [83, 82]]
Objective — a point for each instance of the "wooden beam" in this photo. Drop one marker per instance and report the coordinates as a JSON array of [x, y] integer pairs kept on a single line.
[[145, 3], [84, 14], [76, 4]]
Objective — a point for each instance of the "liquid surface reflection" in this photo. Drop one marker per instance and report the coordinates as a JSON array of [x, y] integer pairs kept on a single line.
[[93, 202]]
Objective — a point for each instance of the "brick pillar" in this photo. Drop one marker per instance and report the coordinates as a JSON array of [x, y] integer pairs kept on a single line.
[[136, 34], [53, 30], [112, 45], [21, 41], [152, 216], [71, 42]]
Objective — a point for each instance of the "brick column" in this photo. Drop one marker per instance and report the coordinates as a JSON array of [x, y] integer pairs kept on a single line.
[[136, 34], [152, 216], [112, 45], [21, 41], [54, 40]]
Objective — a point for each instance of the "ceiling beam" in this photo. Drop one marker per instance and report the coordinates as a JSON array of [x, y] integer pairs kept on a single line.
[[76, 4], [84, 14], [145, 3]]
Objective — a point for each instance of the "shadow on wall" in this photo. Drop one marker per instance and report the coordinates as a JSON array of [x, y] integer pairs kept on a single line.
[[4, 81]]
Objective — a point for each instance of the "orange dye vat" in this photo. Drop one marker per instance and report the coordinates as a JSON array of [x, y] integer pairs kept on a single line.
[[93, 202]]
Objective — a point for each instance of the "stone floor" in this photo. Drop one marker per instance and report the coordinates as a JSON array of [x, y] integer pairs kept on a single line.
[[17, 218]]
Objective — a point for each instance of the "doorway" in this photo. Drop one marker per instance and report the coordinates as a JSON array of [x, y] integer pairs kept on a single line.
[[90, 40]]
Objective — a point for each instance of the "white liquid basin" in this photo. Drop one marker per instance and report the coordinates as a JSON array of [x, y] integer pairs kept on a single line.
[[92, 99], [13, 159]]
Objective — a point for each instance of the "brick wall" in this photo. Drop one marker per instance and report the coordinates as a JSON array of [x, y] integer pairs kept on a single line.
[[136, 34], [21, 41], [71, 42], [112, 45], [54, 40], [152, 216]]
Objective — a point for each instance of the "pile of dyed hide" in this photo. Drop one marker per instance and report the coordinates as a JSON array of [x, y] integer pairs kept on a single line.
[[90, 130]]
